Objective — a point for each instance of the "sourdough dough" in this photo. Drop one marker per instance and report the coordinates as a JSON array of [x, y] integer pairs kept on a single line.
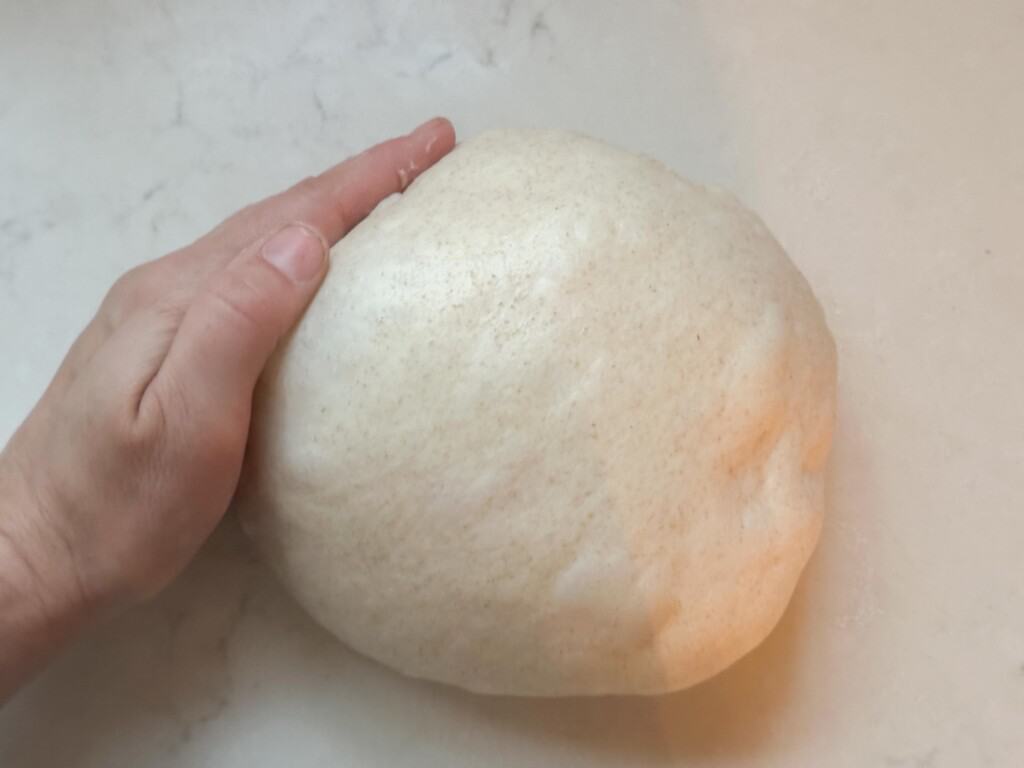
[[555, 424]]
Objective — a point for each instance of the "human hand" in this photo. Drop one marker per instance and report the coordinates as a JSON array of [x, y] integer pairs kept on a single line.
[[132, 455]]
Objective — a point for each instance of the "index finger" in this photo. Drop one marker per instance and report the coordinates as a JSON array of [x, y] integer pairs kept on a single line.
[[331, 204], [339, 198], [336, 200]]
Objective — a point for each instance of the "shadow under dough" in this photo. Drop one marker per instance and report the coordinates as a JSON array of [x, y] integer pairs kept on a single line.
[[732, 713]]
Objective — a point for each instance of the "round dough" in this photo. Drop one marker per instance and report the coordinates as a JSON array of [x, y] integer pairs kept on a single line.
[[555, 424]]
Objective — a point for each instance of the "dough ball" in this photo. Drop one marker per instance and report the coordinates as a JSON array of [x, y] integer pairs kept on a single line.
[[555, 424]]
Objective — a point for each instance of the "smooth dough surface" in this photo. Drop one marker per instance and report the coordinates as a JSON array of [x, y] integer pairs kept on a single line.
[[555, 424]]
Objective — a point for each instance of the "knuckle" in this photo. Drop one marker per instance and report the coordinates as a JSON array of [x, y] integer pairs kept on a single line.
[[239, 305], [130, 283], [130, 291], [307, 187], [240, 220], [248, 300]]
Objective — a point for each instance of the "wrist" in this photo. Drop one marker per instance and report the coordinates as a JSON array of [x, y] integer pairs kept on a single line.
[[41, 600]]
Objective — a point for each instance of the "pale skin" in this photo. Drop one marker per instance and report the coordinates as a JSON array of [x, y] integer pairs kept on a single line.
[[133, 453]]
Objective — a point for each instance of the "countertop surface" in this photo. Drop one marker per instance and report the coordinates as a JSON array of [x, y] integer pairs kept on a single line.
[[880, 141]]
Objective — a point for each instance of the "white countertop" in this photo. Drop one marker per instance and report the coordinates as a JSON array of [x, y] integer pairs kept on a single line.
[[883, 142]]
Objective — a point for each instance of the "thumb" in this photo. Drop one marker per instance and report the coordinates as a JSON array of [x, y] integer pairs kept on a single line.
[[231, 328]]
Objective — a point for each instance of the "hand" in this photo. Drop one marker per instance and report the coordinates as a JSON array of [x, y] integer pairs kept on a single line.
[[132, 455]]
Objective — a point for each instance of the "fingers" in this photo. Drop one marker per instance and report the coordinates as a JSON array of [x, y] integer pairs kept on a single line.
[[331, 203], [339, 198], [239, 290], [248, 302], [231, 328]]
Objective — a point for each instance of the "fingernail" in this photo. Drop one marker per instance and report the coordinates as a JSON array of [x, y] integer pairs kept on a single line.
[[296, 252]]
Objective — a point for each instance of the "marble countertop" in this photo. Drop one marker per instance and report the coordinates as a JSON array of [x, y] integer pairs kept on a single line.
[[881, 141]]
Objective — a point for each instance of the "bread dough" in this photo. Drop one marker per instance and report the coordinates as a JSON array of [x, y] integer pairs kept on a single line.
[[555, 424]]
